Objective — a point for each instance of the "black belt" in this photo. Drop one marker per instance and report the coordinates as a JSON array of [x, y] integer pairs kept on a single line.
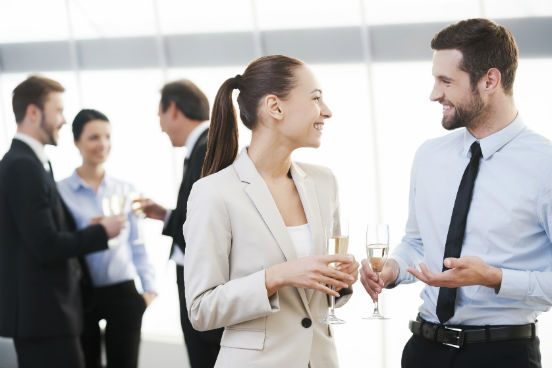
[[457, 336]]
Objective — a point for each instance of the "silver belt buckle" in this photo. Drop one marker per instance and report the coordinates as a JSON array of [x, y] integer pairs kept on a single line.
[[459, 337]]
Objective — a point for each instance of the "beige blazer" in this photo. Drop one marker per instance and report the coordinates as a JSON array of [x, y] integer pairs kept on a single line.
[[233, 232]]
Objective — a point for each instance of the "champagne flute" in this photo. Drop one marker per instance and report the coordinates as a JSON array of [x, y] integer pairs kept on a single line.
[[136, 199], [337, 242], [114, 205], [377, 250]]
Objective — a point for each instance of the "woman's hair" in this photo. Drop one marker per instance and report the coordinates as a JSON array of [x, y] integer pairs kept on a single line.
[[83, 117], [273, 74]]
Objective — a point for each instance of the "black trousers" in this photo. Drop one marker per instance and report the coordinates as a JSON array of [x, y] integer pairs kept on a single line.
[[203, 347], [122, 308], [421, 353], [49, 353]]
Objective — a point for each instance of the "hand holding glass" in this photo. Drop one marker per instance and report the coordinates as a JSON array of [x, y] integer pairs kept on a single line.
[[377, 250], [114, 205], [337, 241]]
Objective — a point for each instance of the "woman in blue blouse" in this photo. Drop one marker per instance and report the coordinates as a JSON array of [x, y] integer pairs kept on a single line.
[[112, 294]]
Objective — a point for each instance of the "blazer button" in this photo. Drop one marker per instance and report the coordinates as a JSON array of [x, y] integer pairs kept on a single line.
[[306, 322]]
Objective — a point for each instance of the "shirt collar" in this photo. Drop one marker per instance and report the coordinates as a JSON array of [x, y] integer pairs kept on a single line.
[[76, 182], [36, 146], [194, 136], [491, 144]]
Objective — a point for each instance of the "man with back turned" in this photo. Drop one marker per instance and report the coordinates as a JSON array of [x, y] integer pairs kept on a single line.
[[480, 214], [184, 116]]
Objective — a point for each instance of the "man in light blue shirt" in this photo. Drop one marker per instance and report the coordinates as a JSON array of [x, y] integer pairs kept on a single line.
[[483, 194]]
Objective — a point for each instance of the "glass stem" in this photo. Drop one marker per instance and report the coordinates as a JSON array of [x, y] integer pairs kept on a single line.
[[332, 303], [376, 303]]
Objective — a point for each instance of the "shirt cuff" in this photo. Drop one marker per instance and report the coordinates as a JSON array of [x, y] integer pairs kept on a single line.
[[403, 274], [149, 285], [515, 284], [167, 216]]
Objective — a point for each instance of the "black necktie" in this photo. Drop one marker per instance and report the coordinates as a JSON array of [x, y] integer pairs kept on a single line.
[[457, 228], [50, 169]]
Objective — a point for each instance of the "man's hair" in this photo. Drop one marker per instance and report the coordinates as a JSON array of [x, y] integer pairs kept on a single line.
[[187, 97], [84, 117], [32, 91], [484, 45]]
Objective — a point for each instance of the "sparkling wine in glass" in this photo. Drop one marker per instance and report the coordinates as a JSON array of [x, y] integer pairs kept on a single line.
[[337, 243], [136, 201], [114, 205], [377, 250]]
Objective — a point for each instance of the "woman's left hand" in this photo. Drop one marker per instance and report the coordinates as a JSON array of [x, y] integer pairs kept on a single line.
[[148, 297], [350, 268]]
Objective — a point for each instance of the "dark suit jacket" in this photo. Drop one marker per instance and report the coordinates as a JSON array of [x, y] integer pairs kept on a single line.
[[192, 172], [39, 272]]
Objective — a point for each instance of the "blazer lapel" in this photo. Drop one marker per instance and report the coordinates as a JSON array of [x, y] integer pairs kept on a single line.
[[259, 194], [309, 198]]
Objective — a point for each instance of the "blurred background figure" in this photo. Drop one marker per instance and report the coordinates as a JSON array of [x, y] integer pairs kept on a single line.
[[40, 274], [184, 117], [111, 294]]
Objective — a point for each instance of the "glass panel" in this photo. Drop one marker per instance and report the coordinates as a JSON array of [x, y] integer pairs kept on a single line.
[[515, 9], [33, 20], [106, 18], [406, 11], [205, 16], [285, 14]]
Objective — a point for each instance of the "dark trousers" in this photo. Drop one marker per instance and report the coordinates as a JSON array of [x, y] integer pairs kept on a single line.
[[122, 308], [49, 353], [203, 347], [421, 353]]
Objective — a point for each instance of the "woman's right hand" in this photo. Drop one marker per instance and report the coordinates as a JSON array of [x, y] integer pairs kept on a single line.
[[312, 272]]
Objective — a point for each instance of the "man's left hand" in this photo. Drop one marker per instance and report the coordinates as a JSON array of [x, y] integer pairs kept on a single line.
[[463, 271]]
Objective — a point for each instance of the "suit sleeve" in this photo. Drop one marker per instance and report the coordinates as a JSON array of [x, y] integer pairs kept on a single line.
[[30, 203], [212, 299]]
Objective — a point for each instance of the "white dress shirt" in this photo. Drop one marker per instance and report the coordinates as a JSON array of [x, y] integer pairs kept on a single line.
[[36, 146]]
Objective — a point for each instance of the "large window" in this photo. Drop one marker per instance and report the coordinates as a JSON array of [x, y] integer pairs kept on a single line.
[[381, 114]]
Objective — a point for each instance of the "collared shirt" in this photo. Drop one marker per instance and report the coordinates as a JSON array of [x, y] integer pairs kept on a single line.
[[123, 262], [36, 146], [508, 224], [178, 256]]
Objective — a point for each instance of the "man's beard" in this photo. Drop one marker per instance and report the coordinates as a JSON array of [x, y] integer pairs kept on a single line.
[[466, 116], [48, 130]]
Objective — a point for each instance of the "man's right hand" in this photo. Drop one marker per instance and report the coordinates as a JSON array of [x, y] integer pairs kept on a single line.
[[112, 224], [151, 209], [374, 284]]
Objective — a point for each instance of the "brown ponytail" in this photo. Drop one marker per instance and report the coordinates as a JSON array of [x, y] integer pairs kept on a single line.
[[273, 74], [222, 143]]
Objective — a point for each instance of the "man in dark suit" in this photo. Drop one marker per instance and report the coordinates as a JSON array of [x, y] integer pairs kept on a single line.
[[40, 300], [184, 116]]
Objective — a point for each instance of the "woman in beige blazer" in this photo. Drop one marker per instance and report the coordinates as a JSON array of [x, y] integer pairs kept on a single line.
[[256, 259]]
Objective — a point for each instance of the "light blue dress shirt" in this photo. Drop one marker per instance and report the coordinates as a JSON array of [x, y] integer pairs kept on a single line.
[[123, 262], [508, 223]]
